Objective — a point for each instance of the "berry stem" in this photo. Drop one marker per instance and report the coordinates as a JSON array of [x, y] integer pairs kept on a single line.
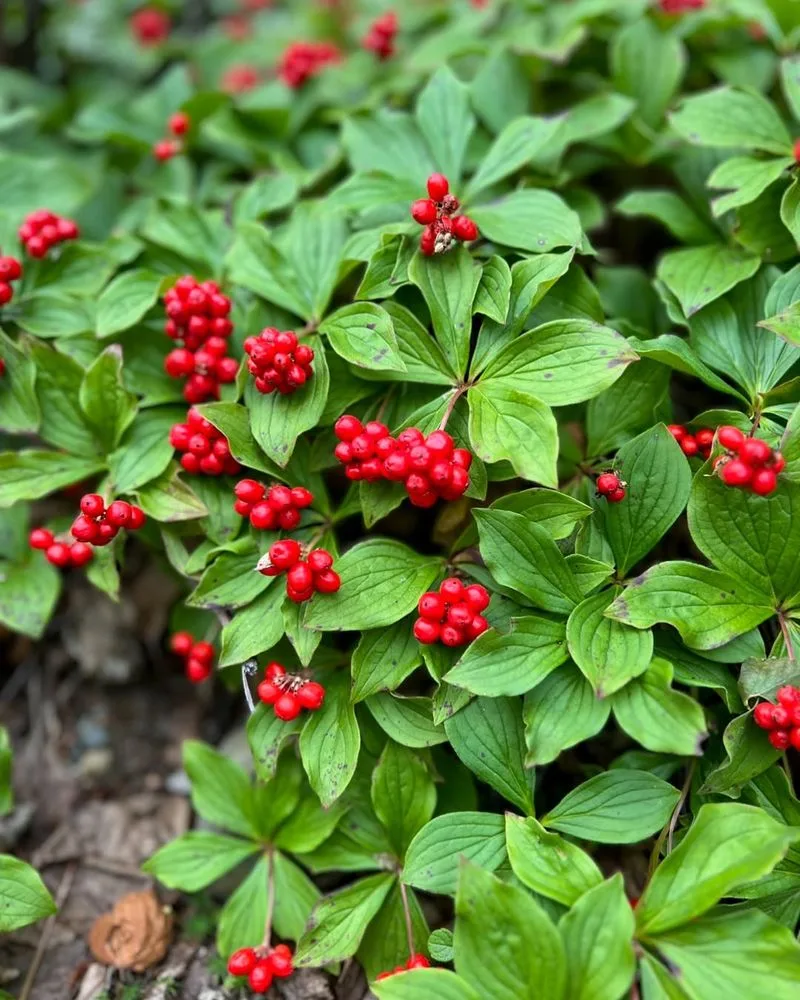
[[787, 638], [270, 898], [458, 392], [249, 667], [407, 916], [669, 830]]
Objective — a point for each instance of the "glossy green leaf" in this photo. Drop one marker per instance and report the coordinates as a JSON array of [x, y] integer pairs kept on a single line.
[[547, 863], [435, 854]]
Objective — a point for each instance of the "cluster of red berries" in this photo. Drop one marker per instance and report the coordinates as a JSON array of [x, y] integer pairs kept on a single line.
[[380, 37], [204, 449], [302, 60], [197, 316], [150, 26], [177, 126], [699, 443], [42, 230], [239, 79], [98, 524], [435, 213], [431, 468], [610, 486], [288, 693], [415, 962], [452, 615], [10, 270], [278, 362], [304, 577], [748, 463], [680, 6], [271, 509], [782, 719], [261, 965], [60, 554], [198, 657]]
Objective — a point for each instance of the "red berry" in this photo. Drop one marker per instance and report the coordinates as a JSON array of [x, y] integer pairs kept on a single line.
[[439, 445], [301, 497], [300, 576], [203, 651], [92, 505], [781, 717], [58, 554], [105, 533], [287, 707], [476, 627], [260, 977], [137, 518], [10, 269], [730, 437], [40, 538], [607, 482], [262, 517], [763, 715], [754, 451], [84, 529], [764, 482], [452, 589], [450, 635], [249, 490], [462, 458], [181, 643], [459, 615], [299, 596], [37, 247], [396, 467], [780, 739], [81, 553], [196, 671], [432, 606], [418, 962], [284, 554], [788, 696], [268, 692], [118, 513], [289, 519], [704, 438], [689, 446], [242, 962], [426, 631], [310, 696], [6, 293], [676, 430], [427, 241], [617, 496], [179, 123], [464, 228], [736, 473], [347, 427], [319, 560], [438, 186], [274, 672], [279, 497], [424, 211], [477, 597], [778, 463], [165, 149], [794, 737], [327, 582]]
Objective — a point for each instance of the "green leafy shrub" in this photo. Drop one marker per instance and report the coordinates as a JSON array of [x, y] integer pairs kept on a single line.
[[583, 783]]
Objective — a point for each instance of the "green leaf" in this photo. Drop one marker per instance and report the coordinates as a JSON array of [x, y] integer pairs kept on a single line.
[[488, 736], [567, 361], [632, 404], [266, 735], [221, 790], [700, 275], [19, 408], [108, 406], [657, 717], [423, 358], [648, 64], [124, 302], [522, 956], [52, 315], [277, 420], [362, 334], [309, 825], [241, 920], [168, 498], [494, 291], [382, 581], [403, 795], [507, 424], [670, 210], [58, 382], [295, 897], [598, 941], [608, 653], [406, 720], [198, 858], [145, 450], [448, 284], [390, 142], [733, 955], [747, 754], [533, 220], [520, 554], [387, 935], [25, 897], [727, 844], [28, 595], [434, 856], [330, 742], [705, 606], [615, 807], [383, 659], [561, 711], [761, 554], [254, 629], [677, 354], [313, 245], [506, 664], [233, 421], [255, 263], [338, 921], [266, 194], [547, 863], [745, 178], [514, 148], [29, 475], [732, 118], [445, 119], [422, 984]]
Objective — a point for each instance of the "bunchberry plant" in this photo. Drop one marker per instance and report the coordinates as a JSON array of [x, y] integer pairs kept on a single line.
[[447, 356]]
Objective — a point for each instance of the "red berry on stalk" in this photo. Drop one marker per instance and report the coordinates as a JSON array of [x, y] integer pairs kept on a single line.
[[92, 505], [438, 186], [284, 554], [327, 582], [781, 717], [780, 739], [181, 643], [754, 451], [268, 692], [424, 211], [763, 715], [452, 589], [736, 473], [477, 597], [242, 962], [287, 707], [764, 482], [431, 606], [165, 149], [347, 427], [319, 560], [84, 528], [196, 671], [300, 577], [40, 538], [260, 977], [730, 437], [310, 695], [179, 123], [689, 445], [118, 513], [58, 554], [263, 517], [249, 490], [81, 553], [426, 631], [607, 482], [617, 496], [464, 228]]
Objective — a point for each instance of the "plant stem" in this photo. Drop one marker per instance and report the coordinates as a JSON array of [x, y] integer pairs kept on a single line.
[[270, 898], [673, 820], [787, 638], [458, 392], [249, 667], [407, 915]]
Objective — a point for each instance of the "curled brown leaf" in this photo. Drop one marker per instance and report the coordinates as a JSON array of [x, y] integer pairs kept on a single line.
[[134, 935]]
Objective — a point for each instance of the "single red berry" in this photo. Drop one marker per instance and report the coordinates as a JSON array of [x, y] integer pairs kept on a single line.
[[268, 692], [736, 473], [427, 241], [704, 438], [137, 518], [37, 246], [476, 627], [459, 615], [92, 505], [179, 123], [58, 554], [40, 538], [451, 635], [284, 554], [181, 643], [424, 211], [763, 715], [327, 582], [431, 606], [310, 695], [781, 717], [794, 737], [464, 229], [426, 631], [84, 529], [165, 149], [279, 497], [10, 269], [203, 651], [754, 451], [249, 490], [438, 186], [676, 430], [301, 497], [6, 293], [779, 738], [396, 467], [263, 517], [274, 672], [300, 577], [81, 553], [607, 482], [118, 513], [452, 589], [617, 496], [243, 508], [477, 597], [462, 458], [764, 482], [242, 962], [260, 976], [319, 560], [106, 532], [689, 445], [347, 427], [299, 596], [196, 671], [418, 962], [287, 707], [440, 445], [289, 519], [788, 696], [730, 437]]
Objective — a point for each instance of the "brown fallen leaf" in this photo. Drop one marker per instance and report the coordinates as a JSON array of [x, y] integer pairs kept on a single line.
[[134, 935]]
